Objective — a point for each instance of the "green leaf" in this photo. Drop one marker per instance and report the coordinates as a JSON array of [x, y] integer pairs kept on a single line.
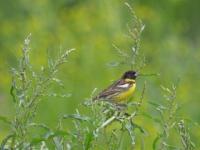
[[52, 134], [12, 89], [60, 133], [88, 140], [5, 140], [156, 141], [130, 129], [154, 104], [40, 125], [58, 143], [77, 117]]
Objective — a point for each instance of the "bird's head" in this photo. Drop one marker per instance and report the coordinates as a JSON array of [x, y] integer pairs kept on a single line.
[[130, 75]]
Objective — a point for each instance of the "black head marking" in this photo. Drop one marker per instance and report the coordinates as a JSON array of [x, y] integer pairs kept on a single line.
[[130, 75]]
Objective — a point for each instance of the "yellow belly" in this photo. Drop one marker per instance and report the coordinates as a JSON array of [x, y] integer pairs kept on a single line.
[[126, 94]]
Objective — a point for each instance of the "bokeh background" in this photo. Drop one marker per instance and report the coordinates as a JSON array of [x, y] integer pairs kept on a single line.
[[170, 42]]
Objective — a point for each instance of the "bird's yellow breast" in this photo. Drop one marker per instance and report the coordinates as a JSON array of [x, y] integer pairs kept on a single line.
[[126, 94]]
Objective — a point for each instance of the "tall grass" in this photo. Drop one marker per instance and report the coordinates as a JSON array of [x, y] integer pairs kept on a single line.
[[107, 126]]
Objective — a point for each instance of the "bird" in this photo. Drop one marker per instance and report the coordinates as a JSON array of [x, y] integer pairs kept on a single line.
[[121, 90]]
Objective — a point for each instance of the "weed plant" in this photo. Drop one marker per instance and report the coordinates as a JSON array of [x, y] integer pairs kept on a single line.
[[107, 126]]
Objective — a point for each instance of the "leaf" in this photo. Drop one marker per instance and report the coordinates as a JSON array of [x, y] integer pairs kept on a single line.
[[58, 144], [5, 140], [156, 141], [58, 81], [130, 128], [88, 140], [154, 104], [52, 134], [12, 89], [41, 125], [77, 117]]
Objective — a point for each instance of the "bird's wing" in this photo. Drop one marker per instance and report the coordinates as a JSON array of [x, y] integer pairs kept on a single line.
[[114, 89]]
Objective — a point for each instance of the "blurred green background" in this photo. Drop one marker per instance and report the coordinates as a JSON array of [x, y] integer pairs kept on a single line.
[[170, 43]]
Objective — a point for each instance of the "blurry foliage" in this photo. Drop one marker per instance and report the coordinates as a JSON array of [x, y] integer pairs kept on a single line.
[[170, 43]]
